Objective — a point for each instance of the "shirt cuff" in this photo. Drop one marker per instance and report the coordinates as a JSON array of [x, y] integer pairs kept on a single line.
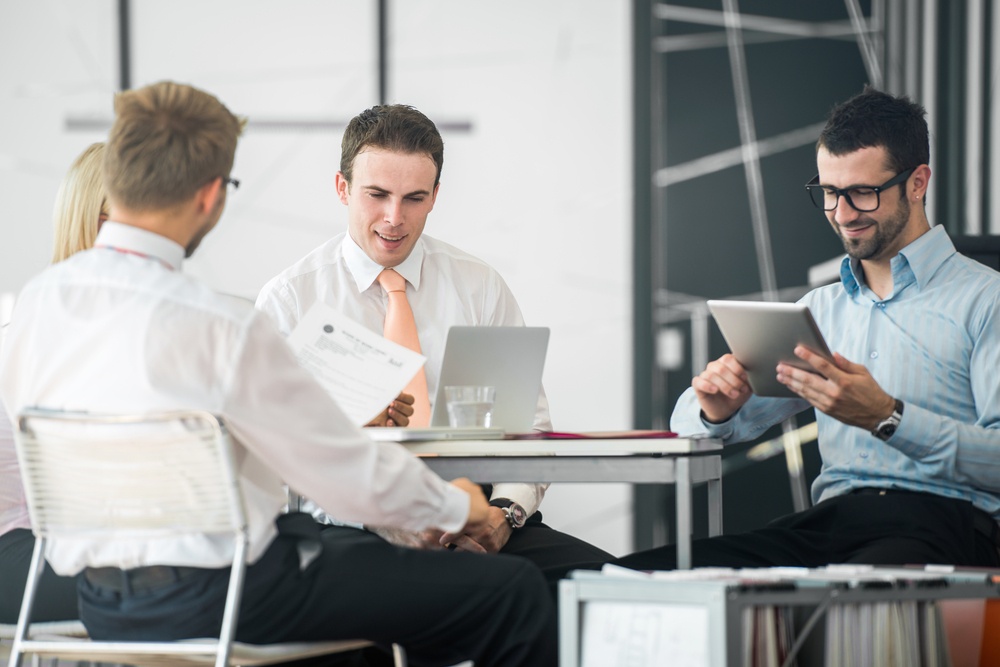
[[454, 510], [912, 435], [528, 496]]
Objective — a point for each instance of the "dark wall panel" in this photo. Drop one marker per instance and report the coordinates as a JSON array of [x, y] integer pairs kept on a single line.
[[702, 230]]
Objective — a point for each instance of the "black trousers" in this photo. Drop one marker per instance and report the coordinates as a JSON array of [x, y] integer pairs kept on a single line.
[[554, 553], [443, 607], [56, 596], [898, 528]]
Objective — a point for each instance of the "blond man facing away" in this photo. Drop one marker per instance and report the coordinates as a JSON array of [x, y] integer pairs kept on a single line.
[[120, 328]]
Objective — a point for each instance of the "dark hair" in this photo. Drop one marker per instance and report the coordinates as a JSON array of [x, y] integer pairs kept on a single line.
[[873, 118], [393, 127]]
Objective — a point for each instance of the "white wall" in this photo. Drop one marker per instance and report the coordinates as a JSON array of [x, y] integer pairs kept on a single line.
[[540, 187]]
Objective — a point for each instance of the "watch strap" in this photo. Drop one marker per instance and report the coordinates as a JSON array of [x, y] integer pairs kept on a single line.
[[887, 427]]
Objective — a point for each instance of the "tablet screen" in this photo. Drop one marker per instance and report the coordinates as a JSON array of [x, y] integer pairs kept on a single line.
[[761, 334]]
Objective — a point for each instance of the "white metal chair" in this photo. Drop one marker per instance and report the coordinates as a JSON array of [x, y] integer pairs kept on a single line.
[[159, 475], [48, 629]]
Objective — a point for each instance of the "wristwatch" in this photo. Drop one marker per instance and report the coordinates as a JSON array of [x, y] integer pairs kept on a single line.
[[888, 426], [514, 513]]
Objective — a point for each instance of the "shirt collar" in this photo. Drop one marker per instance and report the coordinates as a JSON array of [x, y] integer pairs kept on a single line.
[[116, 235], [365, 271], [917, 262], [926, 254]]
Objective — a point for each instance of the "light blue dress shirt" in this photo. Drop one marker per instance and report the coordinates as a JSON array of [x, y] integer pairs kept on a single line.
[[934, 343]]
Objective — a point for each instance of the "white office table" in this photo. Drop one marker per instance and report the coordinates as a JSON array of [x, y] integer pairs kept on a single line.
[[682, 462]]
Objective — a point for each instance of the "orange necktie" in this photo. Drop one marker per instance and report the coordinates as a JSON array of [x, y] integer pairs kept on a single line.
[[401, 328]]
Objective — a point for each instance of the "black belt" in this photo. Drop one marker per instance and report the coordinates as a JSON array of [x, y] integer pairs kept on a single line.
[[982, 522], [139, 579]]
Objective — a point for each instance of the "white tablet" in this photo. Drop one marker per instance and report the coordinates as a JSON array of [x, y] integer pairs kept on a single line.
[[761, 334]]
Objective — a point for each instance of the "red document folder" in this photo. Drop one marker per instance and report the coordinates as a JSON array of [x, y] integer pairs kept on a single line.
[[591, 435]]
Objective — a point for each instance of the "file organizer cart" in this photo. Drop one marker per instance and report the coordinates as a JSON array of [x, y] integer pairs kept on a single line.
[[635, 621]]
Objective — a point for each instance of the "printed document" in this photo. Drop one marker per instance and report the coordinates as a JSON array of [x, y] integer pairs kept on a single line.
[[362, 370]]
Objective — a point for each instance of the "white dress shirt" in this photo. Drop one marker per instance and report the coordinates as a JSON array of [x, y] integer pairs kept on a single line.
[[446, 287], [13, 508], [119, 328]]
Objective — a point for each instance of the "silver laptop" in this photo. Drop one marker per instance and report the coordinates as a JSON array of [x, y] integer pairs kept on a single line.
[[509, 358]]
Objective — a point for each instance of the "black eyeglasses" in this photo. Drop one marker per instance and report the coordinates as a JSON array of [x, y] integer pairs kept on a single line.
[[862, 198], [235, 182]]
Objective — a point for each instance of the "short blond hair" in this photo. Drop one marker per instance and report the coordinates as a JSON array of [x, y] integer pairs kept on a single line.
[[168, 140], [80, 203]]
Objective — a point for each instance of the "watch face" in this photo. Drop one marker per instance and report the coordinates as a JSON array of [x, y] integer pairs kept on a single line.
[[517, 515], [887, 430], [887, 427]]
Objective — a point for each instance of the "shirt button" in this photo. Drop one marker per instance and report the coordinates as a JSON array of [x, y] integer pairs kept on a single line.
[[864, 455], [874, 355], [881, 305]]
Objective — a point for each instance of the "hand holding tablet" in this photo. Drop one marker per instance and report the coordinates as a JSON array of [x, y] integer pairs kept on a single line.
[[762, 334]]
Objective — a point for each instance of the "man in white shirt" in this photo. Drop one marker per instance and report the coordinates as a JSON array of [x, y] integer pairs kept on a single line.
[[119, 328], [390, 169]]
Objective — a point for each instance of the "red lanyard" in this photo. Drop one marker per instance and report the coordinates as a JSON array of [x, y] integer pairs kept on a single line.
[[126, 251]]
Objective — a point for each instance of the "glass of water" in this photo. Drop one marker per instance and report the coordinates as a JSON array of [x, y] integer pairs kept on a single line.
[[470, 405]]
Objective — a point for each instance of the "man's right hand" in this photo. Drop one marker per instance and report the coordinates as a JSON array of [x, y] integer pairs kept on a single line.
[[479, 507], [398, 412], [722, 388], [479, 512]]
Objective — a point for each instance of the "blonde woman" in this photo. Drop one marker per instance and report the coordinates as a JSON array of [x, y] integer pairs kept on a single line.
[[81, 208], [81, 205]]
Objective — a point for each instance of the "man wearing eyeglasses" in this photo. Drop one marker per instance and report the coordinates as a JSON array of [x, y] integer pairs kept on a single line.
[[908, 410]]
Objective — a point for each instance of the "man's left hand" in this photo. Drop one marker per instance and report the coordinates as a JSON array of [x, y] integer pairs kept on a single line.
[[846, 391], [489, 537]]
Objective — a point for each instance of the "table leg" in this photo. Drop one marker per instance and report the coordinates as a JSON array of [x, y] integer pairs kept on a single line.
[[570, 624], [715, 507], [683, 495]]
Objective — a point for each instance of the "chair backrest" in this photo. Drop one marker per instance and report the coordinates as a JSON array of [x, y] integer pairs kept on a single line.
[[114, 477], [983, 249], [146, 475]]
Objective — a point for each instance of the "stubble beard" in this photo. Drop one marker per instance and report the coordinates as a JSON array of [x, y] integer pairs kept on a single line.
[[886, 232], [203, 231]]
